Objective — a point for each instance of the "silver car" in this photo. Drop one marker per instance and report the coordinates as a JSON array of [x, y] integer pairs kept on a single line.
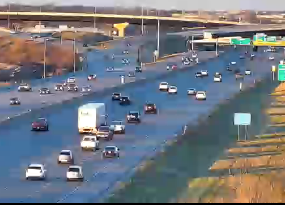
[[65, 157]]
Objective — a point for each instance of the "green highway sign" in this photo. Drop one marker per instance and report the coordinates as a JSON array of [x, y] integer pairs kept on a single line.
[[281, 72], [241, 41], [259, 38], [271, 39]]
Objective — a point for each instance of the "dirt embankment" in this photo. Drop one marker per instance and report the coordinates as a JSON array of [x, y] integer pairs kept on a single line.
[[21, 52]]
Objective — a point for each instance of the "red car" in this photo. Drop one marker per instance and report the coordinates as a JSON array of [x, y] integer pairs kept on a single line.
[[40, 124], [174, 67]]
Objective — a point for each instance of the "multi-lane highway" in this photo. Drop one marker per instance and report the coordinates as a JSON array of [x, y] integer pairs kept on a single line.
[[96, 65], [20, 146]]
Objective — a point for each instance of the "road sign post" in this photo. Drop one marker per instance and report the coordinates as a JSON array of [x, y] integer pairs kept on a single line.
[[273, 70], [242, 119]]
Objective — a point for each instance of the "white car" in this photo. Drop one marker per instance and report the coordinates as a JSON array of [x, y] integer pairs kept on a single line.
[[252, 55], [118, 127], [74, 173], [247, 72], [271, 58], [233, 63], [217, 78], [86, 89], [186, 62], [163, 86], [71, 80], [90, 143], [194, 55], [24, 87], [172, 90], [201, 95], [191, 91], [111, 152], [36, 171], [204, 72], [65, 157]]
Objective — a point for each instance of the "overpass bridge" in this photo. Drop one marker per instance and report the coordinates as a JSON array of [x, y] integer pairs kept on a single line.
[[119, 21]]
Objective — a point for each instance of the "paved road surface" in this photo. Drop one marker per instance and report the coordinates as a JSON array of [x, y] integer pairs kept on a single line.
[[20, 147], [97, 65]]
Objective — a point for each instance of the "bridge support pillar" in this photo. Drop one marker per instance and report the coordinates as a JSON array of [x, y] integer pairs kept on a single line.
[[121, 28]]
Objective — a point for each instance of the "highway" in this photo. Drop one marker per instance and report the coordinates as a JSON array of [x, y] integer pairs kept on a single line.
[[20, 146], [96, 65]]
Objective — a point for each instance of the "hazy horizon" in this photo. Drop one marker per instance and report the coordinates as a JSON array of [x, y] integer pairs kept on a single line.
[[274, 5]]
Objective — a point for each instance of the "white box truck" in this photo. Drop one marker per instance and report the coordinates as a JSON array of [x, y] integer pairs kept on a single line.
[[90, 117]]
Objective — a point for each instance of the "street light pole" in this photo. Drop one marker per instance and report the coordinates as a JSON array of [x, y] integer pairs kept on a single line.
[[158, 34], [142, 22], [9, 9], [74, 50], [45, 50], [94, 20]]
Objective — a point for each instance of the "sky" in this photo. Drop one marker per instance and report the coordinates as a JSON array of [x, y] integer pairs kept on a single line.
[[170, 4]]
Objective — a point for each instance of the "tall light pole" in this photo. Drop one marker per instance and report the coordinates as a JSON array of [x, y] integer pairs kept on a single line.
[[40, 23], [74, 50], [158, 36], [94, 20], [9, 9], [142, 22], [60, 38], [45, 51]]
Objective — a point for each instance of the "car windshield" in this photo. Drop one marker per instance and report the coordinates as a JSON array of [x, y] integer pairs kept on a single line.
[[89, 139], [40, 121], [110, 149], [201, 92], [192, 89], [117, 123], [150, 104], [14, 99], [71, 78], [44, 88], [104, 129], [125, 98], [72, 85], [116, 94], [35, 168], [172, 87], [198, 73], [65, 153], [58, 85], [74, 169], [134, 114], [163, 83]]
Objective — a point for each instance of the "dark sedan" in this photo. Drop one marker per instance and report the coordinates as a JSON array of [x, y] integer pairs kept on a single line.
[[15, 101], [125, 101]]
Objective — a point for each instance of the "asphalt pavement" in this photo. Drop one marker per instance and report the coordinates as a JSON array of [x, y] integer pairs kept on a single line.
[[21, 147], [97, 63]]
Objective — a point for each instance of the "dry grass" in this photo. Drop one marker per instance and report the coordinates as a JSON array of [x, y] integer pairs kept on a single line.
[[70, 35], [277, 119], [252, 150], [268, 187], [16, 51]]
